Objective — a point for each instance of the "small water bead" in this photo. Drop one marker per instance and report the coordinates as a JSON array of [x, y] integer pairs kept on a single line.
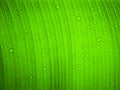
[[82, 61], [20, 11], [26, 87], [102, 8], [11, 50], [31, 77], [91, 8], [13, 38], [10, 11], [57, 7], [116, 25], [83, 55], [1, 46], [26, 31], [18, 55], [81, 47], [9, 16], [104, 16], [106, 50], [91, 18], [97, 14], [78, 18], [14, 86], [9, 19], [16, 8], [115, 10], [95, 22], [99, 39], [36, 5], [88, 26], [99, 10], [113, 84], [44, 68], [86, 45]]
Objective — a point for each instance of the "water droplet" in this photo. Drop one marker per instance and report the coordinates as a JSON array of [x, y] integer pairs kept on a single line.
[[91, 18], [102, 8], [91, 8], [9, 16], [10, 11], [82, 61], [78, 65], [20, 11], [112, 83], [83, 55], [26, 31], [14, 86], [11, 50], [97, 14], [44, 68], [78, 18], [13, 38], [57, 7], [16, 13], [88, 26], [26, 87], [106, 50], [18, 55], [36, 5], [99, 10], [104, 16], [38, 82], [16, 8], [86, 45], [95, 22], [99, 40], [9, 19], [116, 25], [115, 10], [1, 46], [81, 47], [31, 77]]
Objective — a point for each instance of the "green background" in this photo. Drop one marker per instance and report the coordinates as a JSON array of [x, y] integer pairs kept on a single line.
[[59, 44]]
